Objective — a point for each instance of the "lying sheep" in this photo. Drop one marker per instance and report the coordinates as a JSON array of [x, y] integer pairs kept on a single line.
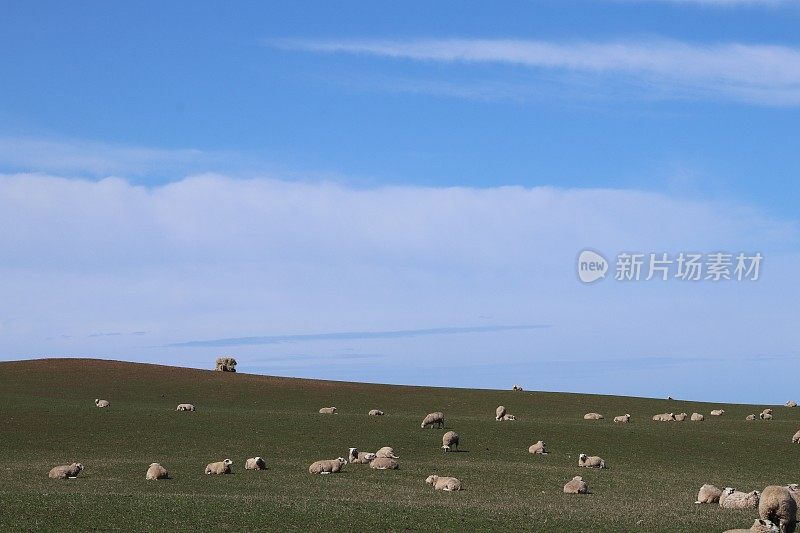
[[576, 486], [624, 419], [590, 461], [185, 407], [517, 388], [360, 458], [65, 471], [449, 440], [219, 468], [433, 419], [697, 417], [750, 417], [255, 463], [384, 463], [708, 494], [225, 364], [156, 471], [759, 526], [101, 403], [538, 448], [509, 418], [328, 411], [777, 505], [376, 412], [718, 412], [664, 417], [680, 417], [327, 466], [791, 403], [767, 411], [500, 412], [447, 484], [386, 451], [765, 416], [593, 416], [796, 438], [734, 499]]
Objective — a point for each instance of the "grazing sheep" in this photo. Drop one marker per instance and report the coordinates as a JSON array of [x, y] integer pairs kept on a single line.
[[328, 411], [590, 461], [509, 418], [433, 419], [255, 463], [65, 471], [447, 484], [734, 499], [538, 447], [750, 418], [500, 412], [185, 407], [593, 416], [759, 526], [360, 458], [449, 440], [778, 505], [386, 451], [218, 468], [624, 419], [376, 412], [796, 438], [576, 486], [327, 466], [101, 403], [517, 388], [765, 416], [791, 403], [225, 364], [718, 412], [708, 494], [664, 417], [680, 417], [384, 463], [156, 471]]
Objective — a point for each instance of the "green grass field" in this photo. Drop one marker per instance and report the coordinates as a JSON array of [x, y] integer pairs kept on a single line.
[[655, 469]]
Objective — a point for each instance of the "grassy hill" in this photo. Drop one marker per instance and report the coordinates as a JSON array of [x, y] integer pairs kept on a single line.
[[48, 417]]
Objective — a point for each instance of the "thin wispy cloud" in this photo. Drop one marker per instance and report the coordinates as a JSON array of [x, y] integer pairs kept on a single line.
[[352, 335], [755, 73]]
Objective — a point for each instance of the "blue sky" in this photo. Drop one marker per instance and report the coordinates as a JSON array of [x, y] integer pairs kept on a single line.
[[339, 177]]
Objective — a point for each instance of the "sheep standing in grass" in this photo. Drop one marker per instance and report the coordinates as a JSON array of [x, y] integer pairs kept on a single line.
[[65, 471], [697, 417], [500, 412], [219, 468], [101, 403], [225, 364], [327, 466], [433, 419], [593, 416], [538, 448], [376, 412], [384, 463], [156, 471], [791, 403], [328, 411], [255, 463], [718, 412], [359, 458], [624, 419], [592, 461], [576, 486], [708, 494], [185, 407], [449, 441], [447, 484], [387, 452], [777, 504], [759, 526], [796, 438], [734, 499]]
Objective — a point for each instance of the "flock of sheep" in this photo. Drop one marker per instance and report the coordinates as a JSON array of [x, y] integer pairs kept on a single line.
[[776, 505]]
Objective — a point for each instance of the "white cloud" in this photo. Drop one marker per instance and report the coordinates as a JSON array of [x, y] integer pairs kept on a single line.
[[758, 73]]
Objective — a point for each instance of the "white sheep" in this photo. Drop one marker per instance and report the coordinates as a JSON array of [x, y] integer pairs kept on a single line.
[[750, 417], [360, 458], [327, 466], [387, 452], [500, 412], [765, 416], [384, 463], [708, 494], [447, 484], [777, 504], [718, 412], [219, 468], [517, 388], [185, 407], [509, 417], [328, 411], [539, 447], [697, 417], [767, 411], [590, 461], [734, 499], [759, 526], [680, 417], [376, 412], [255, 463], [576, 486], [156, 471], [70, 471], [624, 419], [796, 438], [664, 417], [101, 403], [449, 441], [593, 416], [433, 419], [791, 403]]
